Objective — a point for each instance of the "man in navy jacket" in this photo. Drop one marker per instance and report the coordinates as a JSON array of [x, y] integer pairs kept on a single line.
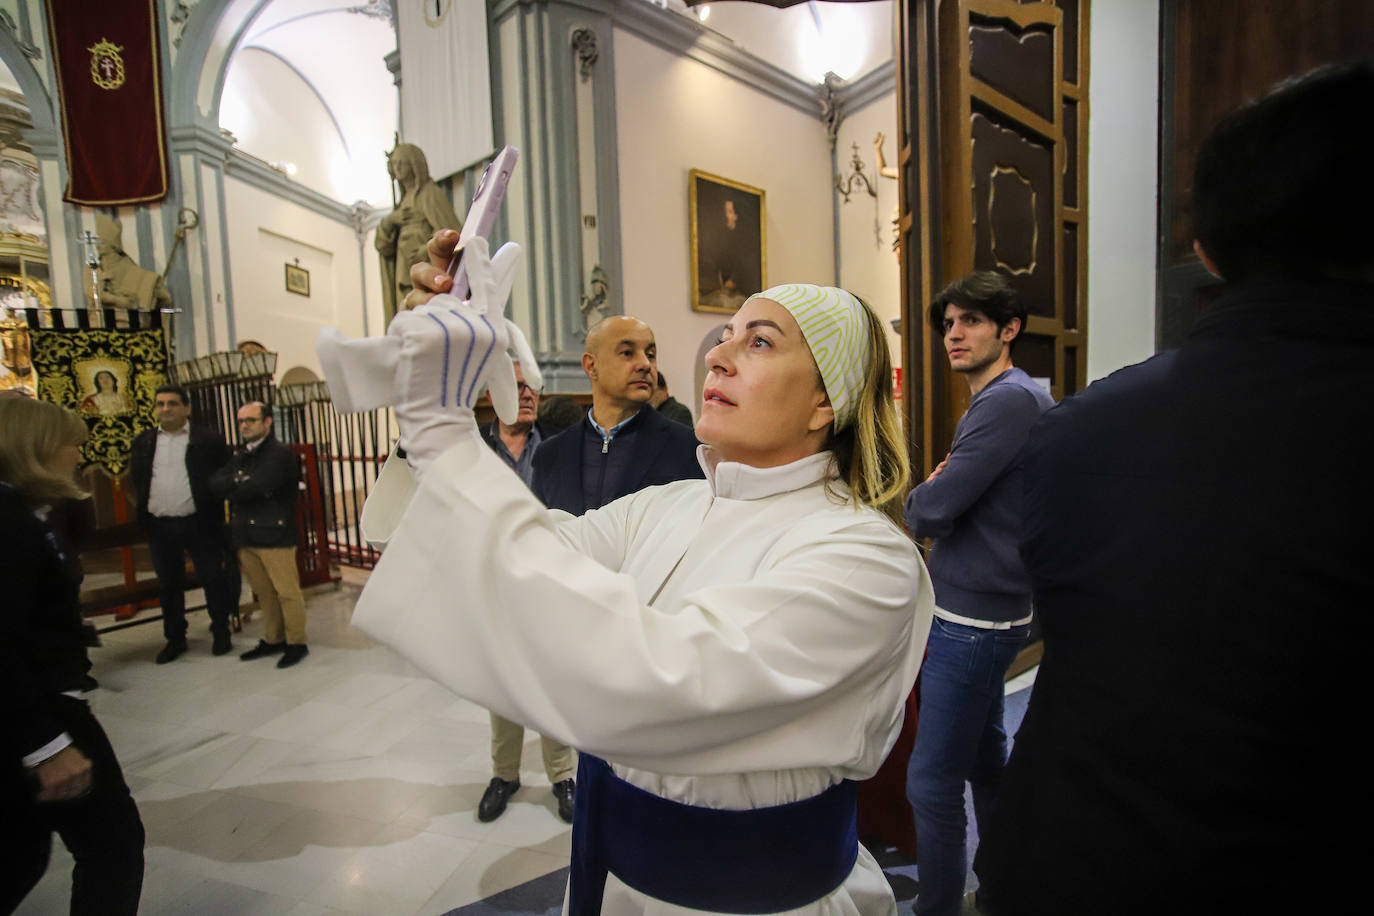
[[1197, 539], [971, 506], [624, 445]]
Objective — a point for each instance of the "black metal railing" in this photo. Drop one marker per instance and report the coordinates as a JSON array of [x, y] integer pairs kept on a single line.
[[350, 449]]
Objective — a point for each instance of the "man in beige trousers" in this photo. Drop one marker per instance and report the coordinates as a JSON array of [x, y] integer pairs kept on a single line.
[[260, 482]]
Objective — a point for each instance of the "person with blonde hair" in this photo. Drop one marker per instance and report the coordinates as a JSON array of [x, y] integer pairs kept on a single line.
[[728, 655], [61, 773]]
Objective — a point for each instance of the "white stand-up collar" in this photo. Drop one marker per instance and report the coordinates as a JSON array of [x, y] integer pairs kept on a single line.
[[732, 480]]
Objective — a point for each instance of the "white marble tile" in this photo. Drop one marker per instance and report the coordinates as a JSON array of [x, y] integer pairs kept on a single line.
[[397, 874], [363, 689], [221, 898], [140, 744], [307, 723], [371, 731], [218, 830], [418, 695], [531, 821], [163, 885], [465, 711], [300, 853], [450, 810], [488, 870]]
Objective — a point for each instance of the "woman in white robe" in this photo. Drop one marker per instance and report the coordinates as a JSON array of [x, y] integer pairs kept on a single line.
[[734, 644]]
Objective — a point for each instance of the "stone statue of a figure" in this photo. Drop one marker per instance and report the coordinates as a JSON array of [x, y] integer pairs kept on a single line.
[[404, 232], [123, 284]]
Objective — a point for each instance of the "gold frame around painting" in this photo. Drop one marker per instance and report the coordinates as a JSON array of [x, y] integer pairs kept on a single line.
[[297, 280], [721, 300]]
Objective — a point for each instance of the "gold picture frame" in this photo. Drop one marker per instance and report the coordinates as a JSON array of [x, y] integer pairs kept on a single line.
[[728, 221], [297, 280]]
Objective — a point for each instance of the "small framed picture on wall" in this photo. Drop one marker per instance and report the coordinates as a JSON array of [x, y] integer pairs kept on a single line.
[[728, 225], [297, 280]]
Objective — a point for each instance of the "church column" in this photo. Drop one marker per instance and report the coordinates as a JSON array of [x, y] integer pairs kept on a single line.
[[554, 98], [199, 280]]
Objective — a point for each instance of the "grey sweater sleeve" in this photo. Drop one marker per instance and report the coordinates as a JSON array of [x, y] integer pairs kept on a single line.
[[991, 436]]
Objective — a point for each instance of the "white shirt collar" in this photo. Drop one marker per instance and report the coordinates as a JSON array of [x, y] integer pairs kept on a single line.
[[732, 480], [184, 431]]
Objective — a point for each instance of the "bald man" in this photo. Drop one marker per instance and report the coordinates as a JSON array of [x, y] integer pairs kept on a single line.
[[622, 446]]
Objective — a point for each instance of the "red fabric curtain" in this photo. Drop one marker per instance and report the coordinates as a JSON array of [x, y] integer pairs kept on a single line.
[[109, 85]]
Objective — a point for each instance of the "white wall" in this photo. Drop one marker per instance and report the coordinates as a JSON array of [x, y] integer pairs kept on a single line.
[[675, 115], [868, 265], [277, 117], [1122, 183], [266, 233]]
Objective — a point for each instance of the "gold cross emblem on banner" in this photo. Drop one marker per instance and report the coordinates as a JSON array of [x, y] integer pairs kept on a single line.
[[107, 67]]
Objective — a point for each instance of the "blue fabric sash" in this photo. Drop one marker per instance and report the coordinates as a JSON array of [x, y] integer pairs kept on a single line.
[[759, 861]]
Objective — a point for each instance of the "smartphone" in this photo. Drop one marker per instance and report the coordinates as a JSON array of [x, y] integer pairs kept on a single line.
[[486, 203]]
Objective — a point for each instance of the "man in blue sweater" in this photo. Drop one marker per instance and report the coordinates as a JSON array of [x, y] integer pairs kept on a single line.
[[971, 506]]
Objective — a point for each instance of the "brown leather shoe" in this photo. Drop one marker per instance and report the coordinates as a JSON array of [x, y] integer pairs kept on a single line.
[[493, 803]]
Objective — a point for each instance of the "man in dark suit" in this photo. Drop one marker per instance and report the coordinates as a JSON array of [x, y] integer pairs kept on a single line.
[[624, 445], [261, 482], [171, 466], [1197, 540]]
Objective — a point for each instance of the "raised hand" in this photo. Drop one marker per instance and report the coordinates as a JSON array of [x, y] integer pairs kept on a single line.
[[438, 357]]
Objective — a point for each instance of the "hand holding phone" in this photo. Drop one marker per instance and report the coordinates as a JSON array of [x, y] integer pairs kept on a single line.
[[486, 203]]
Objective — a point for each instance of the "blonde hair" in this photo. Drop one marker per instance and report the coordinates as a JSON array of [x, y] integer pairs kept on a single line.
[[871, 452], [31, 434]]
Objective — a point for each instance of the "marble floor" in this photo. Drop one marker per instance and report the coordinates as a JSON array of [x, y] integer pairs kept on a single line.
[[347, 784]]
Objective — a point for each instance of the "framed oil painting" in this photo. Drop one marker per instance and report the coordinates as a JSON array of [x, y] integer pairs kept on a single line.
[[728, 223]]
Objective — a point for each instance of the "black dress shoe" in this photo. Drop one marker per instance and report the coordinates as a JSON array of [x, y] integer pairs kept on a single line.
[[563, 790], [293, 654], [222, 644], [494, 800], [88, 683], [170, 651], [262, 650]]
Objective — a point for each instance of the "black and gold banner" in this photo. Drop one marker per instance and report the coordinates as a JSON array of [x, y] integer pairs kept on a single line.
[[110, 378], [109, 85]]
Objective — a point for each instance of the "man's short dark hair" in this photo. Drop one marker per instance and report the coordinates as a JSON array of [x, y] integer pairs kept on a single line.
[[985, 291], [177, 390], [1280, 187]]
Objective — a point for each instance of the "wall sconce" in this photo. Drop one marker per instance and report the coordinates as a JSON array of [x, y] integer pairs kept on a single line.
[[845, 184]]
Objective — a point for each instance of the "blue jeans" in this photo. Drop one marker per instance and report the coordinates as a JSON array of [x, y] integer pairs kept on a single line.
[[959, 738]]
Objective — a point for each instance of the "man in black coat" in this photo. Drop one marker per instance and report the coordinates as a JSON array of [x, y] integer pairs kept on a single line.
[[261, 483], [1197, 538], [171, 467], [624, 444]]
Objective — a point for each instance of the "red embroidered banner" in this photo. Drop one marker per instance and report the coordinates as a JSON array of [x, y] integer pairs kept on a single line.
[[109, 84]]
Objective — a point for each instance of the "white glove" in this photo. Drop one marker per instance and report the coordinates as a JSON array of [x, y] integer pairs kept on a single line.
[[437, 359]]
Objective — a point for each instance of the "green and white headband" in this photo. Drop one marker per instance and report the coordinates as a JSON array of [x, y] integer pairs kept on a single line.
[[835, 326]]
